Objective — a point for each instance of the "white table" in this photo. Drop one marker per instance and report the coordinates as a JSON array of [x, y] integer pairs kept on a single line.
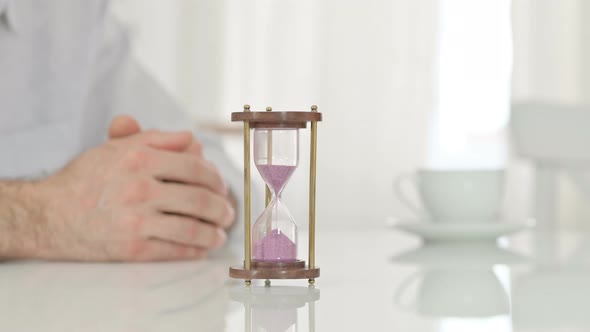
[[371, 280]]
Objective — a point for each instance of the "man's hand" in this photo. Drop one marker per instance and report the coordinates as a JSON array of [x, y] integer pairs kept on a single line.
[[124, 125], [140, 196]]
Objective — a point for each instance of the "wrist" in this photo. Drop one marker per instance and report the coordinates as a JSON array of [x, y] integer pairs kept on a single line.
[[21, 219]]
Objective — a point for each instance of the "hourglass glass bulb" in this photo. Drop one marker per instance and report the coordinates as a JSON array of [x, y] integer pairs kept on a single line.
[[276, 154]]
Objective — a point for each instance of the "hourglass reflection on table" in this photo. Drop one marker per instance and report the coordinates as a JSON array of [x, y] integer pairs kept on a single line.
[[271, 244]]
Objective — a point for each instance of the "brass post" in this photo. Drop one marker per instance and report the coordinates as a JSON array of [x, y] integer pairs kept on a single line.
[[312, 186], [247, 235]]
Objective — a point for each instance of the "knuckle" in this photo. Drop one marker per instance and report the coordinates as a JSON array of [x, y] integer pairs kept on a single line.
[[194, 231], [134, 224], [195, 164], [222, 210], [216, 177], [211, 237], [181, 251], [186, 231], [136, 250], [208, 172], [136, 159], [137, 191], [205, 239], [204, 200], [195, 254], [223, 215], [211, 165], [189, 253], [219, 239], [219, 182]]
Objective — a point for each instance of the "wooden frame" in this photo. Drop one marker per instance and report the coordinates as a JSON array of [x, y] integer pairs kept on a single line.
[[280, 270]]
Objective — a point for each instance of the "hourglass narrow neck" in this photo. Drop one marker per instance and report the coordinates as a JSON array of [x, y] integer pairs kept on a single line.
[[276, 176]]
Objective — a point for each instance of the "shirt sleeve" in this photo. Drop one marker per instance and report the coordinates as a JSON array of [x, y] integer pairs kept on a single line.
[[122, 86]]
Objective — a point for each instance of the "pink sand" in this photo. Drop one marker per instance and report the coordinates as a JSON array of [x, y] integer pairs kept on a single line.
[[276, 175], [275, 246]]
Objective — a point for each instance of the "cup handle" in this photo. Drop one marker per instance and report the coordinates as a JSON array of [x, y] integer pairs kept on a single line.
[[398, 297], [398, 186]]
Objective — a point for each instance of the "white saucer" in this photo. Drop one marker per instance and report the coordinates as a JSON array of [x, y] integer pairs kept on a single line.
[[434, 231]]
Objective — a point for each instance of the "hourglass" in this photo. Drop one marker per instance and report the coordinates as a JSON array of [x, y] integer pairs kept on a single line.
[[271, 244]]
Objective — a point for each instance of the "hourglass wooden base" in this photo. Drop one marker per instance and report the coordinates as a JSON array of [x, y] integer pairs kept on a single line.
[[274, 270]]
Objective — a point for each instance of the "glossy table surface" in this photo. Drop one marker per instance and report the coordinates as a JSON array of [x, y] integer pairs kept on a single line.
[[372, 280]]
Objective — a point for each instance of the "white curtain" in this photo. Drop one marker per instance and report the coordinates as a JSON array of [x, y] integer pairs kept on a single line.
[[368, 65], [401, 83], [551, 51]]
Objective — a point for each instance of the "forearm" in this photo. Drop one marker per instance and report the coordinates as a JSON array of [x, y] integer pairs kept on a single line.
[[20, 219]]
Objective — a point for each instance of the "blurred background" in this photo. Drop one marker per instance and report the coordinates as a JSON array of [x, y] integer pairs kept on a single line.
[[447, 84]]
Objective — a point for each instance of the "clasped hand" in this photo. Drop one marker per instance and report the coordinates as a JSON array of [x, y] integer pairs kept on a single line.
[[141, 196]]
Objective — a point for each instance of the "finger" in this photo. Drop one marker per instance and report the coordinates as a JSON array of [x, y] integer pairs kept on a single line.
[[195, 148], [158, 250], [189, 169], [122, 126], [184, 230], [172, 141], [195, 202]]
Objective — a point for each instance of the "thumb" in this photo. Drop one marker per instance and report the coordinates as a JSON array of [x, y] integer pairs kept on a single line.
[[122, 126], [171, 141]]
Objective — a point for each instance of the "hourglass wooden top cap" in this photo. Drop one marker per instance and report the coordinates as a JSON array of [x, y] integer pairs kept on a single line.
[[289, 119]]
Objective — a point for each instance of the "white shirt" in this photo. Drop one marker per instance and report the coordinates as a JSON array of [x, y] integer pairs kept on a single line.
[[65, 71]]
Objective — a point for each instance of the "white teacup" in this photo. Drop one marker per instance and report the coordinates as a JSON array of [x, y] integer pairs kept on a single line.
[[455, 195]]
